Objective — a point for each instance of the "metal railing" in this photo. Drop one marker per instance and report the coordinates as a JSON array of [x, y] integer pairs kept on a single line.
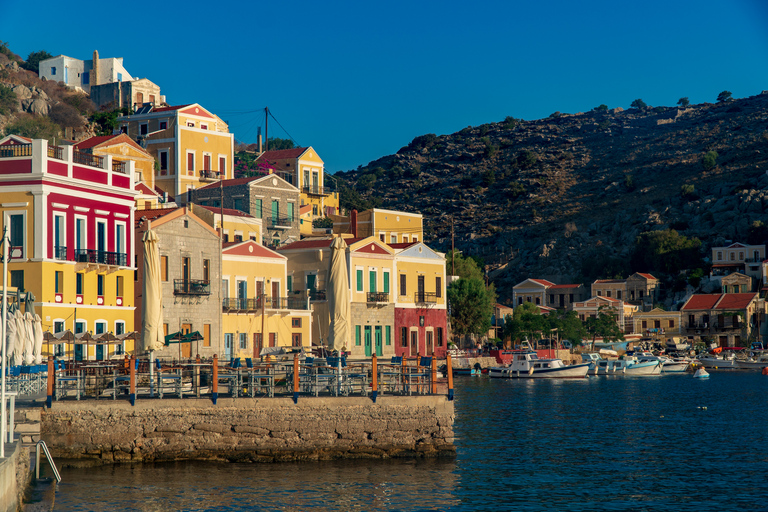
[[191, 287], [42, 444], [15, 150], [210, 175], [378, 297], [55, 152], [80, 157], [60, 252], [281, 222], [425, 298], [315, 190], [101, 257], [317, 295], [121, 167], [229, 304]]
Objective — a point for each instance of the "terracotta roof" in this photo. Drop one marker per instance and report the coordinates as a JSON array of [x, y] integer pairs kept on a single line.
[[305, 209], [403, 245], [227, 211], [94, 141], [310, 244], [281, 154], [152, 214], [701, 301], [735, 300], [230, 183], [647, 276], [543, 282], [734, 264], [603, 281], [259, 251], [565, 286]]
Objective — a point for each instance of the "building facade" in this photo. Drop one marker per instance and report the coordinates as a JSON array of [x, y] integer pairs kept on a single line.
[[68, 214], [531, 290], [389, 226], [621, 311], [657, 322], [737, 257], [132, 94], [83, 74], [728, 319]]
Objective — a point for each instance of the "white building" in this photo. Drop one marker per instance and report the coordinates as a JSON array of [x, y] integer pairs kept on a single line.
[[84, 73]]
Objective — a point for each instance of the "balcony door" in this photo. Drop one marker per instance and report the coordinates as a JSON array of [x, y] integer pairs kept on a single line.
[[275, 295], [377, 340], [420, 288], [101, 241], [242, 294], [414, 343], [186, 348], [368, 340]]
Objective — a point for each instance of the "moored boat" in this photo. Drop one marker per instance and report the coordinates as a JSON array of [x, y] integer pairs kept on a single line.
[[630, 365], [527, 365]]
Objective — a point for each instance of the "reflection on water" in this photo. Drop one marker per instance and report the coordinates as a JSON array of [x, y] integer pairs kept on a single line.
[[603, 443]]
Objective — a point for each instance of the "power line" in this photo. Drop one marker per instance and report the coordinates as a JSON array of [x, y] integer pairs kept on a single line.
[[281, 126]]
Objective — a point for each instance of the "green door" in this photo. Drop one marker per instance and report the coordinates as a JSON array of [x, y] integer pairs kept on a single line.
[[275, 211], [368, 340], [377, 333]]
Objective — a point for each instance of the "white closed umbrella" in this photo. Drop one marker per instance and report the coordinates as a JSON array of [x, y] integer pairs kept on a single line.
[[29, 341], [152, 337], [10, 335], [37, 350], [21, 336], [338, 296]]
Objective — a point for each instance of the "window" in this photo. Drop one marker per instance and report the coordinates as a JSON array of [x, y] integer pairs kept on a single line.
[[79, 284], [53, 70], [415, 238], [403, 290], [719, 255], [17, 233], [243, 340], [608, 293], [403, 336], [206, 270], [100, 285], [733, 256], [163, 156], [257, 208], [372, 281], [439, 336], [296, 322], [163, 125], [58, 282], [164, 268], [143, 128], [314, 209], [671, 323], [206, 162], [190, 163], [17, 279], [275, 210], [289, 283], [645, 324], [223, 166], [203, 126], [385, 278], [100, 327], [359, 275], [741, 256], [225, 288], [439, 287], [119, 77], [357, 335], [618, 294], [393, 239], [119, 286], [538, 301], [388, 335], [296, 339], [657, 324], [206, 335], [290, 212], [190, 124]]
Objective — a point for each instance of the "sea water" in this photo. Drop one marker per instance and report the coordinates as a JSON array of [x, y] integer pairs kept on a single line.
[[602, 443]]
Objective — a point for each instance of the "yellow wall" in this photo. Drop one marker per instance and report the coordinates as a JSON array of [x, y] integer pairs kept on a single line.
[[405, 226], [274, 322], [412, 271], [144, 164], [368, 263]]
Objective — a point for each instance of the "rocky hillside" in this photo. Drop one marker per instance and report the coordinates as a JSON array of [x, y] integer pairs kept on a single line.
[[566, 197]]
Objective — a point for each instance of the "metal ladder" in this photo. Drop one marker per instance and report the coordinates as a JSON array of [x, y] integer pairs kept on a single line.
[[50, 461]]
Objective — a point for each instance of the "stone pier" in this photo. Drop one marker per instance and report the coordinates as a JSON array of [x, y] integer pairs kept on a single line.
[[249, 429]]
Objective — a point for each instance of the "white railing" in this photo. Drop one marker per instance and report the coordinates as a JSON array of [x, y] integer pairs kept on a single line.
[[41, 443]]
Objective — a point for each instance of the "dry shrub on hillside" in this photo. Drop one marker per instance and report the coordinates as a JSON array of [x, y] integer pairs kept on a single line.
[[66, 116]]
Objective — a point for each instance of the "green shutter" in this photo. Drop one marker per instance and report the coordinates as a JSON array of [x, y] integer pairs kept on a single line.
[[290, 212], [289, 283], [372, 281], [388, 334], [359, 280], [357, 335], [386, 282]]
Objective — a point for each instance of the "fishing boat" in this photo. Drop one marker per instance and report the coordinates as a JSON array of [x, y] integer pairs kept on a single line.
[[720, 358], [592, 359], [527, 365], [753, 363], [630, 365], [677, 345]]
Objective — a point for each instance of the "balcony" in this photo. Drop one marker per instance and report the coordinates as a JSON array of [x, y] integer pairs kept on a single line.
[[55, 152], [120, 167], [207, 175], [119, 259], [425, 298], [374, 297], [317, 295], [191, 287], [15, 150], [281, 222], [316, 191], [240, 305], [254, 304], [80, 157], [60, 252]]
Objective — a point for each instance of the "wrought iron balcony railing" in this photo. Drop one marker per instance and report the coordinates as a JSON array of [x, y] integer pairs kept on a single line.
[[317, 295], [425, 298], [60, 252], [191, 287], [377, 297], [101, 257]]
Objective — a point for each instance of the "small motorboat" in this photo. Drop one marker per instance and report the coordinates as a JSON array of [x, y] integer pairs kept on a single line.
[[630, 365], [527, 365], [701, 373]]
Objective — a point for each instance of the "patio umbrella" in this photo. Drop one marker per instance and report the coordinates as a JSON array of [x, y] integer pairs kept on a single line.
[[29, 341], [105, 338], [10, 335], [152, 303], [338, 296], [21, 337], [38, 345], [194, 336]]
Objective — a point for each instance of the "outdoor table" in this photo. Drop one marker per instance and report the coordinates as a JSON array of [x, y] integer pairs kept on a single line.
[[262, 380], [98, 374], [196, 376], [62, 379]]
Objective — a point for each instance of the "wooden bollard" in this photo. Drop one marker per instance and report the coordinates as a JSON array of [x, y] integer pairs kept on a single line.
[[434, 374], [215, 379], [374, 377], [51, 380], [197, 359], [132, 395], [295, 378], [450, 375]]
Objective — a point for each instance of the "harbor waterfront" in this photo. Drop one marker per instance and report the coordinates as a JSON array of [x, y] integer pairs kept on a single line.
[[601, 443]]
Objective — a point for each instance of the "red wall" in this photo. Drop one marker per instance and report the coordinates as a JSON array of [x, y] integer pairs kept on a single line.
[[86, 174], [58, 168], [15, 166], [409, 317]]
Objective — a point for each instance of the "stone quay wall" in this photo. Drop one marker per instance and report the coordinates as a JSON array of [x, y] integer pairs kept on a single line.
[[14, 476], [249, 429]]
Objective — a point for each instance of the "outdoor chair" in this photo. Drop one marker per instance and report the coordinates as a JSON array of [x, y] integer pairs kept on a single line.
[[231, 377], [67, 382], [170, 378]]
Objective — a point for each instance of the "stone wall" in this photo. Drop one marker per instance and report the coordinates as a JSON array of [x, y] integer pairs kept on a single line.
[[14, 476], [258, 430]]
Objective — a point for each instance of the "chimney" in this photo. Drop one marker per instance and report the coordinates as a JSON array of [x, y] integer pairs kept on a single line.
[[258, 137], [95, 69], [353, 223]]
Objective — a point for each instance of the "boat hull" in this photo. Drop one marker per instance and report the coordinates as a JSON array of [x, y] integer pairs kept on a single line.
[[643, 369], [675, 367], [751, 365], [577, 371]]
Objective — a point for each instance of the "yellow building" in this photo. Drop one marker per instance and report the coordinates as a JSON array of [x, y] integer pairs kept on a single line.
[[238, 226], [68, 214], [389, 226], [258, 310], [192, 146], [304, 169], [657, 322]]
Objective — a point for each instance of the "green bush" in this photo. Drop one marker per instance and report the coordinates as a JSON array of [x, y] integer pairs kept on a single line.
[[510, 122], [686, 190], [629, 182], [724, 96], [7, 100], [515, 189], [34, 58], [639, 104], [710, 160], [526, 158], [601, 108], [34, 127], [683, 102], [489, 178]]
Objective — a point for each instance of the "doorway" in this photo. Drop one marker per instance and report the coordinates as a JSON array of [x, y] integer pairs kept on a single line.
[[368, 340], [377, 339], [430, 343], [186, 348], [414, 343]]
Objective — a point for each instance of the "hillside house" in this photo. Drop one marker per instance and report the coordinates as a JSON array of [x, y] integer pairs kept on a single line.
[[657, 322], [531, 290], [83, 74], [621, 311], [730, 319], [736, 283], [737, 257], [642, 290]]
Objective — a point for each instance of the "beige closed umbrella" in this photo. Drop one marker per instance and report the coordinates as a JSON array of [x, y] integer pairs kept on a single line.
[[152, 337], [338, 296]]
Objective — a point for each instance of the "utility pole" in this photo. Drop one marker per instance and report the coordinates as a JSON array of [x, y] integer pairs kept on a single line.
[[453, 251], [266, 131]]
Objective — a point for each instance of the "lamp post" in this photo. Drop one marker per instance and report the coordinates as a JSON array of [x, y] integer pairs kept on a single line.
[[3, 322]]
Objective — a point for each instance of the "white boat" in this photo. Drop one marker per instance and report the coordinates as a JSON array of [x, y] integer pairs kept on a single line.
[[527, 365], [630, 365], [677, 345], [701, 373], [756, 363], [592, 359], [718, 361], [668, 364]]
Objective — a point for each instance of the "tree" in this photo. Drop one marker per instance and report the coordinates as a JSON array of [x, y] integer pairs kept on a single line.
[[666, 251], [278, 143], [471, 306], [7, 100], [724, 96], [466, 268], [639, 104], [66, 115], [710, 160], [34, 128], [683, 102], [526, 323], [34, 58], [604, 325], [569, 326], [601, 108]]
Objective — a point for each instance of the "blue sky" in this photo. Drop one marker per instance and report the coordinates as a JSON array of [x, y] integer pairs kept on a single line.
[[358, 80]]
